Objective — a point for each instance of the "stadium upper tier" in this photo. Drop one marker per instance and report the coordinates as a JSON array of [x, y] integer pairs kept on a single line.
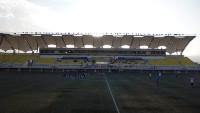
[[33, 41]]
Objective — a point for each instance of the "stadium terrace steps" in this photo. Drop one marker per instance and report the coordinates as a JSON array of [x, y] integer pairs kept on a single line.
[[132, 63], [24, 58], [178, 61], [90, 63], [164, 62], [9, 59], [12, 59], [4, 58], [70, 62], [185, 61], [100, 58], [16, 59], [1, 58], [46, 61]]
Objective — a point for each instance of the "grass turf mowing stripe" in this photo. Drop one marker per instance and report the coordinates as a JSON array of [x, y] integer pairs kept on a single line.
[[112, 95]]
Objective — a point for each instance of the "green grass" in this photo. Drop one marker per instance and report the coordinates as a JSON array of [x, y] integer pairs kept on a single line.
[[36, 92]]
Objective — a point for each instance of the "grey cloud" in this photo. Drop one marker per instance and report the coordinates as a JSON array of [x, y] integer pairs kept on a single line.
[[15, 16]]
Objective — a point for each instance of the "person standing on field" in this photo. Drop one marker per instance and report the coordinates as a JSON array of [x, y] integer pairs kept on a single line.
[[159, 74], [157, 80], [150, 76], [192, 81]]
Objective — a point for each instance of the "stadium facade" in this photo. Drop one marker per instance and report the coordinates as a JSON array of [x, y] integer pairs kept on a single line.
[[79, 57]]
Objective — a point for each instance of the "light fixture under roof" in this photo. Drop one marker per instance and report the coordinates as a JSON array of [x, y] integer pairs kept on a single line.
[[125, 46], [78, 35], [138, 36], [89, 46], [36, 35], [56, 35], [118, 35], [97, 35], [15, 34], [107, 46], [70, 46]]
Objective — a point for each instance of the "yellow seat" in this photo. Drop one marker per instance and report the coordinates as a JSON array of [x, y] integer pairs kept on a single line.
[[71, 62], [12, 59], [25, 58], [45, 60], [4, 57], [164, 62], [185, 61]]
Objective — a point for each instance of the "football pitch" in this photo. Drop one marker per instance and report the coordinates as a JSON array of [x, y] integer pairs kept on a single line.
[[116, 92]]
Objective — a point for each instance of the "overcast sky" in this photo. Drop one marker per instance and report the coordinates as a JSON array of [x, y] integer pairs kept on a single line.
[[135, 16]]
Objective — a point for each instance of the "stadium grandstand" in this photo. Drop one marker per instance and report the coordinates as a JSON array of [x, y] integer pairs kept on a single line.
[[32, 51]]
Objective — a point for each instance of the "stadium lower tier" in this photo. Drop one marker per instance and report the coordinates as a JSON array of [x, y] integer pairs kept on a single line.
[[24, 60]]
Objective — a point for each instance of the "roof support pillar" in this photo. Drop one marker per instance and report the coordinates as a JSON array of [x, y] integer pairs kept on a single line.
[[151, 42], [63, 40], [113, 41], [23, 36], [4, 36], [1, 39], [132, 41], [36, 42], [83, 41], [44, 40], [140, 41]]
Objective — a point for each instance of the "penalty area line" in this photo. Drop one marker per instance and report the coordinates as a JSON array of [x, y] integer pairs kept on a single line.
[[112, 95]]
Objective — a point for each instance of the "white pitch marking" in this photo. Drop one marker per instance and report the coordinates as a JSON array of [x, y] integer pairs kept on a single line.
[[112, 95]]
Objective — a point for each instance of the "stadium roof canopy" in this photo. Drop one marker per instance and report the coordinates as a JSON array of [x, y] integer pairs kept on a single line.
[[27, 41]]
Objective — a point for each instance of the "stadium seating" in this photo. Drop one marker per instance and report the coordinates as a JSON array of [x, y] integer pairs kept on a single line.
[[94, 60], [133, 63], [46, 60], [164, 62], [90, 63], [71, 62], [9, 58], [139, 63], [24, 58], [76, 61], [1, 58], [100, 58], [185, 61], [176, 61], [4, 58], [12, 59]]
